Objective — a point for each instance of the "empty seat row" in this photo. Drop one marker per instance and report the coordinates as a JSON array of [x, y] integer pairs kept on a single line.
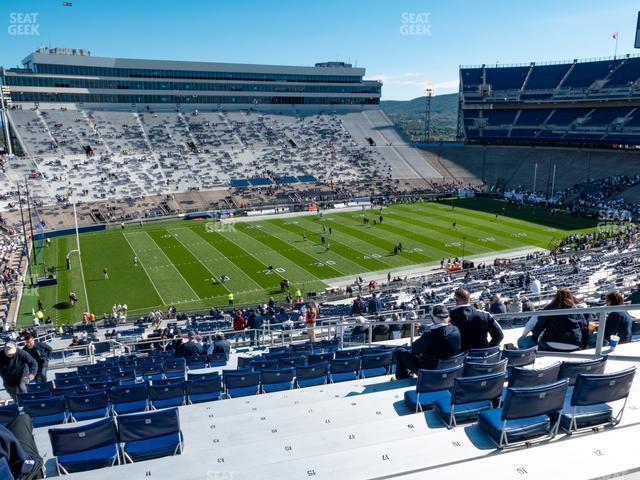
[[107, 442], [535, 403], [115, 401]]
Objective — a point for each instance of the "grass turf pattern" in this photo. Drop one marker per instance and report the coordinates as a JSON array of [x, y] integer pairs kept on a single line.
[[180, 262]]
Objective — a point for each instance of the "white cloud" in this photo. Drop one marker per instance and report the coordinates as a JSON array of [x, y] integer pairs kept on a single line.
[[409, 85]]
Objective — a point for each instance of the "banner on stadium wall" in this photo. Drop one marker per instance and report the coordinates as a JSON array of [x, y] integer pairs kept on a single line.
[[68, 231], [312, 207], [463, 192]]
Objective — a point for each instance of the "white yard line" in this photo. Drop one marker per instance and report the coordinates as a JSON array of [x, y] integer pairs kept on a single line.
[[201, 263], [174, 267], [145, 269], [260, 287]]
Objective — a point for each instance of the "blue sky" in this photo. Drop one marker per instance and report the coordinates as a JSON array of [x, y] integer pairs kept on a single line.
[[394, 39]]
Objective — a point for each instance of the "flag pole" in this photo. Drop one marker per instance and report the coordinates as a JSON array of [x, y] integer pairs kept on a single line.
[[615, 52]]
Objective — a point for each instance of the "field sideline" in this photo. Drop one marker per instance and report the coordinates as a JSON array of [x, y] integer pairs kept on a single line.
[[180, 261]]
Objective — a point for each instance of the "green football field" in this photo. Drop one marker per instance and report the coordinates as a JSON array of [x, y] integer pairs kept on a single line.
[[181, 261]]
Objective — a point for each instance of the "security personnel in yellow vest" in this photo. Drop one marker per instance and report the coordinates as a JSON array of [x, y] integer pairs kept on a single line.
[[230, 298]]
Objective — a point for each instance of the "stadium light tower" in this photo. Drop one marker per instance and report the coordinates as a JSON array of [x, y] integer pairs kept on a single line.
[[428, 92]]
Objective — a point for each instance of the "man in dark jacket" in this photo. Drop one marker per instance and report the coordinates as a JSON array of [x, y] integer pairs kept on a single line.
[[441, 341], [19, 448], [474, 325], [190, 348], [375, 305], [220, 345], [16, 369], [382, 331], [254, 323], [41, 352]]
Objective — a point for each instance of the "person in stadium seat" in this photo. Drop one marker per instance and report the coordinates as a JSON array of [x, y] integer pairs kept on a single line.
[[358, 307], [535, 287], [190, 347], [16, 369], [634, 297], [360, 331], [254, 323], [561, 332], [18, 447], [496, 305], [441, 341], [310, 318], [475, 325], [618, 323], [239, 326], [41, 352], [220, 345], [375, 305], [381, 332]]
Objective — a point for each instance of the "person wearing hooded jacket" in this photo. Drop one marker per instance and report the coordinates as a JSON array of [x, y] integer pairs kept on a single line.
[[441, 341]]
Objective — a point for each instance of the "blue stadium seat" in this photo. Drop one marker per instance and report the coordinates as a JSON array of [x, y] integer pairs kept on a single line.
[[165, 396], [197, 362], [489, 358], [129, 399], [150, 435], [85, 447], [373, 365], [5, 471], [525, 415], [63, 375], [571, 370], [31, 396], [314, 358], [203, 375], [469, 396], [88, 379], [260, 364], [218, 359], [294, 361], [587, 407], [349, 353], [312, 375], [46, 411], [88, 405], [342, 370], [277, 380], [530, 377], [451, 362], [519, 357], [7, 413], [430, 386], [70, 390], [125, 377], [203, 390], [68, 382], [40, 387], [472, 369], [149, 374], [103, 385], [241, 384]]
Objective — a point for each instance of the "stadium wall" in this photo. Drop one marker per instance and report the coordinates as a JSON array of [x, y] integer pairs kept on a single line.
[[515, 166], [68, 231]]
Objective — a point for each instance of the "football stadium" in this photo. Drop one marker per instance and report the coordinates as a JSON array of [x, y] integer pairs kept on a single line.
[[230, 253]]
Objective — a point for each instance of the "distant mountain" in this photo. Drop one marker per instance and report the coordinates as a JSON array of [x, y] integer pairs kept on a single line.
[[408, 115]]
